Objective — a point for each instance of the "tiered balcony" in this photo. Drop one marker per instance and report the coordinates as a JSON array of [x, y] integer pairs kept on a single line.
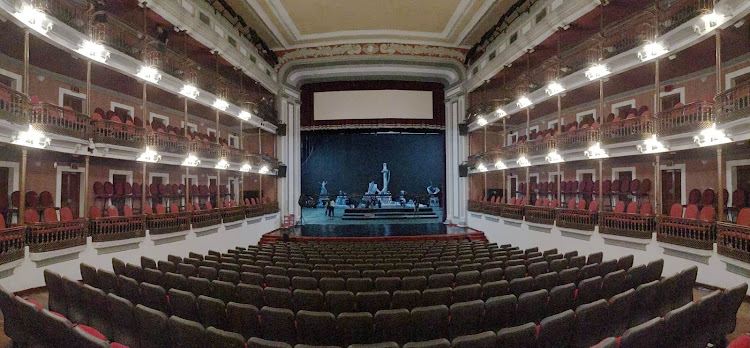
[[628, 34], [14, 105], [164, 142], [627, 225], [628, 130], [733, 104], [576, 139], [112, 228], [691, 233], [692, 117], [117, 133], [733, 241], [53, 119], [50, 236], [11, 243], [541, 146], [580, 57], [672, 13]]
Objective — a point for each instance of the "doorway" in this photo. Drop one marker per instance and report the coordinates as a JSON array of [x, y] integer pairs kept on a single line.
[[70, 191], [671, 188]]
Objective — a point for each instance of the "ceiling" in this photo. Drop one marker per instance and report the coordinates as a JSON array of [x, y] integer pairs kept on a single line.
[[289, 24]]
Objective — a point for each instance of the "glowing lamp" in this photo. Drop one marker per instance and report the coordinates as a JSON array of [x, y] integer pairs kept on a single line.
[[500, 165], [711, 136], [245, 115], [711, 21], [481, 167], [222, 164], [595, 152], [554, 88], [501, 113], [597, 71], [245, 168], [149, 156], [263, 170], [190, 91], [31, 138], [524, 102], [149, 74], [652, 50], [221, 104], [94, 51], [651, 145], [554, 157], [191, 161], [34, 18], [523, 162], [482, 122]]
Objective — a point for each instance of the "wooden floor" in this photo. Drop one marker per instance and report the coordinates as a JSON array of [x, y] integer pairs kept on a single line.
[[743, 316]]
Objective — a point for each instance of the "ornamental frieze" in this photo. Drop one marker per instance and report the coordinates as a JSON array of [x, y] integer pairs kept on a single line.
[[371, 49]]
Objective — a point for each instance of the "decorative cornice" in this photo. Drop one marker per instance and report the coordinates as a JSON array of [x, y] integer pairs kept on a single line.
[[371, 49], [372, 126]]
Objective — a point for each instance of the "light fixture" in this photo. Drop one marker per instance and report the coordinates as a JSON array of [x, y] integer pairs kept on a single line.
[[711, 21], [596, 151], [222, 164], [523, 162], [245, 115], [501, 113], [263, 170], [191, 161], [221, 104], [190, 91], [652, 145], [31, 138], [481, 167], [94, 51], [597, 71], [554, 157], [245, 168], [150, 74], [652, 50], [524, 102], [34, 18], [500, 165], [481, 122], [711, 136], [149, 156], [553, 88]]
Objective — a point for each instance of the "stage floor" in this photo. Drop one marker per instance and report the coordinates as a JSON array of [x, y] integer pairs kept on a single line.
[[317, 216], [376, 229]]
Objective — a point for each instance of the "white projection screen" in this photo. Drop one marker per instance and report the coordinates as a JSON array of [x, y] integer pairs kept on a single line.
[[372, 104]]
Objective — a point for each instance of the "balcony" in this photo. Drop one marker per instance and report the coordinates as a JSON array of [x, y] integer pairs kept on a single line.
[[733, 104], [580, 57], [579, 138], [164, 142], [204, 149], [53, 119], [633, 129], [673, 13], [628, 34], [692, 117], [541, 146], [14, 105], [118, 133]]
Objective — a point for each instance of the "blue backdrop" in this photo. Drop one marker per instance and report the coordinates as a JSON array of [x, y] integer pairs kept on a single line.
[[349, 161]]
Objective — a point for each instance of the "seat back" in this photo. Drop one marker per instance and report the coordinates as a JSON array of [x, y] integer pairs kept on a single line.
[[50, 215], [632, 208], [691, 212], [708, 213], [31, 216], [675, 210], [647, 209], [66, 215], [593, 206]]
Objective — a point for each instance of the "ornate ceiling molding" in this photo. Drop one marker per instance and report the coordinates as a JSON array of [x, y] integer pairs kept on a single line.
[[371, 49]]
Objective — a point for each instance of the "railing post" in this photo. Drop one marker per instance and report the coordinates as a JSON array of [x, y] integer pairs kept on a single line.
[[22, 189], [187, 184], [26, 61], [143, 188], [601, 192], [719, 88], [657, 185], [86, 188], [720, 190]]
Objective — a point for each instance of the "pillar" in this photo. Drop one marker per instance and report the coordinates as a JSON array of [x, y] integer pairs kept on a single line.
[[22, 189], [720, 191], [86, 203]]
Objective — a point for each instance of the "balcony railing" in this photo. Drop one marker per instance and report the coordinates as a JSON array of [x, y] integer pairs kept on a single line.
[[733, 104], [577, 138], [686, 119], [168, 222], [541, 215], [206, 218], [673, 13], [733, 241], [116, 133], [107, 229], [580, 57], [476, 206], [12, 243], [691, 233], [120, 36], [633, 129], [49, 236], [73, 14], [627, 225], [171, 143], [205, 149], [14, 105], [232, 214], [627, 34], [579, 219], [514, 150], [541, 146], [62, 121]]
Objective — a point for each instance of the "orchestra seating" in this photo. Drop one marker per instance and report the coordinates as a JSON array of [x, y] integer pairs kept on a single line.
[[425, 293]]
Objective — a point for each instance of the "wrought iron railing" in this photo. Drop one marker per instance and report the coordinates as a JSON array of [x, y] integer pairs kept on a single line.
[[541, 215], [733, 104], [579, 219], [62, 121], [168, 222], [14, 105], [166, 142], [117, 133], [673, 13], [692, 117], [541, 146], [627, 34], [633, 129]]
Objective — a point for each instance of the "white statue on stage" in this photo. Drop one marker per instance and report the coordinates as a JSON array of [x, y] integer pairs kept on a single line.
[[433, 190], [372, 188], [386, 179], [323, 190]]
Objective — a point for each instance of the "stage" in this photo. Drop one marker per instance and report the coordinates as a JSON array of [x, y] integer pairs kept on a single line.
[[359, 216], [378, 230]]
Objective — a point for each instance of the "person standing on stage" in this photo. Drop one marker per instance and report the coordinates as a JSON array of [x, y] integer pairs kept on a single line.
[[331, 205]]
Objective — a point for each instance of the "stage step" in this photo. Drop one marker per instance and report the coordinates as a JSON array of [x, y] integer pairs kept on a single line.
[[388, 214], [389, 217]]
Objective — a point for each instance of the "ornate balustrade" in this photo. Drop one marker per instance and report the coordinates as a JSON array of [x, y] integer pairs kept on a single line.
[[733, 241], [165, 142], [673, 13], [580, 57], [512, 211], [627, 225], [117, 133], [627, 130], [12, 244], [691, 233], [579, 138], [579, 219], [627, 34], [72, 13], [232, 154], [62, 121], [253, 210], [541, 215], [49, 236], [14, 105], [733, 104], [232, 214], [514, 150], [204, 149], [270, 207], [476, 206], [107, 229], [168, 222], [541, 146], [692, 117], [206, 218]]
